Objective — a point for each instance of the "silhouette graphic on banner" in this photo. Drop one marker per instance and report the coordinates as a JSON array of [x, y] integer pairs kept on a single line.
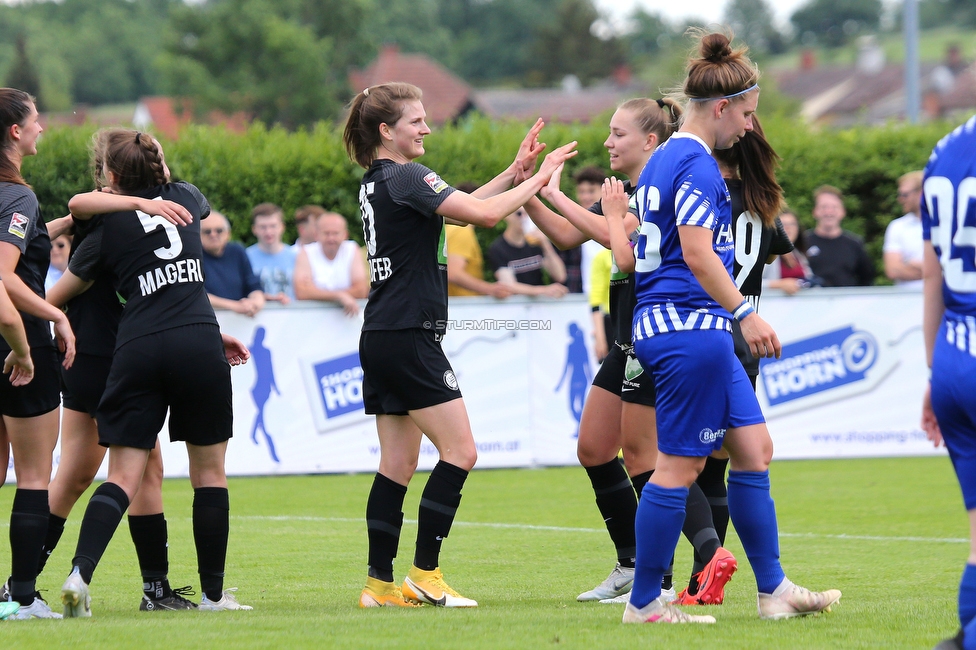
[[577, 368], [264, 383]]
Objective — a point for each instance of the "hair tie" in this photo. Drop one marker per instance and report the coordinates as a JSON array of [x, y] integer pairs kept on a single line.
[[366, 92], [138, 134]]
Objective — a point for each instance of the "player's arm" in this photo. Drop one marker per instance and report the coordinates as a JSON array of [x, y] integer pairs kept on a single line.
[[358, 282], [521, 168], [18, 363], [87, 205], [933, 308], [59, 226], [708, 269], [67, 287], [616, 210], [467, 208]]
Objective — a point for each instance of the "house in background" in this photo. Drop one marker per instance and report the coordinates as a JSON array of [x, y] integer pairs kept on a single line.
[[447, 98], [873, 91], [166, 116]]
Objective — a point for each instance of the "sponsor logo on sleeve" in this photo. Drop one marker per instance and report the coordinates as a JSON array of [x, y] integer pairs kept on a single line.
[[435, 182], [18, 225]]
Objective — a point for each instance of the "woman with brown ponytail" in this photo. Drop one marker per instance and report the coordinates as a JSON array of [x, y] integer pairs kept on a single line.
[[686, 302], [408, 383], [169, 355], [29, 412]]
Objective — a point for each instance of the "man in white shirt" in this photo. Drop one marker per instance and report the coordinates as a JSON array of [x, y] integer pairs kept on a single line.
[[333, 267], [903, 237]]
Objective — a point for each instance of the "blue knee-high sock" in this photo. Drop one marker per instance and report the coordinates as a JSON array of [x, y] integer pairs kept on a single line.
[[969, 636], [754, 516], [658, 525], [967, 596]]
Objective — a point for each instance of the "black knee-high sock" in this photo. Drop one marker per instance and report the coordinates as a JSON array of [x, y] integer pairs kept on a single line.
[[618, 504], [640, 481], [28, 527], [55, 528], [712, 483], [438, 505], [150, 538], [700, 531], [384, 518], [211, 526], [102, 517]]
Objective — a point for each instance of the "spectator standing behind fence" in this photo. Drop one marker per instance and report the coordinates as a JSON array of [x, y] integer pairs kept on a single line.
[[790, 272], [903, 237], [305, 219], [836, 256], [518, 262], [229, 278], [271, 260], [332, 268], [60, 246]]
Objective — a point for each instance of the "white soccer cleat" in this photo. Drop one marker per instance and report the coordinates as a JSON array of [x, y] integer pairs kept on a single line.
[[618, 583], [227, 602], [429, 587], [667, 594], [661, 610], [75, 596], [790, 600]]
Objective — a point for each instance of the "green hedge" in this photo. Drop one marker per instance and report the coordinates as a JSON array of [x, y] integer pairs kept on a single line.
[[238, 171]]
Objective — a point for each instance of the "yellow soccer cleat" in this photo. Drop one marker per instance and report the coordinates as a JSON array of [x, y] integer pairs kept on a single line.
[[429, 587], [377, 593]]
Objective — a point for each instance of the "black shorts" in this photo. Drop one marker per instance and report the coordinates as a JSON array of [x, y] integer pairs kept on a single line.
[[404, 370], [42, 395], [638, 384], [182, 369], [83, 384], [611, 370]]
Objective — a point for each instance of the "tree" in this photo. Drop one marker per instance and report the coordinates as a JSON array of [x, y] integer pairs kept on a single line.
[[650, 35], [752, 22], [23, 75], [244, 55], [569, 46], [835, 22]]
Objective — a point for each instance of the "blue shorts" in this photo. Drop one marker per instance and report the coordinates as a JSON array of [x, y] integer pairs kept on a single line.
[[702, 390], [953, 387]]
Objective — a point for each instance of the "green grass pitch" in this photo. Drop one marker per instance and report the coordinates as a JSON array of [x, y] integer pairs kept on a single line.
[[890, 533]]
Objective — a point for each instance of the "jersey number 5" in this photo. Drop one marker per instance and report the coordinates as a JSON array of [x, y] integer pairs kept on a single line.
[[151, 223], [954, 238]]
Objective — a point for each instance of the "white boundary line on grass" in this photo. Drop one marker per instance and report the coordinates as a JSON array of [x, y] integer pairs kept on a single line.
[[570, 529]]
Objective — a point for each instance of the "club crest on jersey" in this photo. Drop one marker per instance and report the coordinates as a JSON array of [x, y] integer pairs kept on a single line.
[[18, 225], [450, 380], [435, 182]]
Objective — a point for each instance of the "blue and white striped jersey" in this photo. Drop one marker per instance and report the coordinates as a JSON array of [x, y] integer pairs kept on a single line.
[[949, 215], [680, 186]]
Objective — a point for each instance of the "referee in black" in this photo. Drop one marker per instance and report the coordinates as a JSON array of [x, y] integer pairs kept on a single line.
[[408, 383], [169, 355]]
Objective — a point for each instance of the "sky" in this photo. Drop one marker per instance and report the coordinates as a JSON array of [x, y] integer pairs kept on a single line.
[[710, 10]]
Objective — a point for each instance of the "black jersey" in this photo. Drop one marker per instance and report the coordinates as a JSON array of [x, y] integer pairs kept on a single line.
[[623, 299], [754, 243], [406, 247], [22, 226], [157, 267], [94, 315]]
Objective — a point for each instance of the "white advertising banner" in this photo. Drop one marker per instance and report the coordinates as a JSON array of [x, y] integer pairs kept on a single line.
[[852, 374], [849, 383]]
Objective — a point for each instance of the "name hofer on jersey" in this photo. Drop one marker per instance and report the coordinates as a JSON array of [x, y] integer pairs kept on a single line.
[[179, 272]]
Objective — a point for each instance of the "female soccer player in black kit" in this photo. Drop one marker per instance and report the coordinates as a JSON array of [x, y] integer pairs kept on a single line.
[[30, 412], [408, 383], [94, 317], [169, 354]]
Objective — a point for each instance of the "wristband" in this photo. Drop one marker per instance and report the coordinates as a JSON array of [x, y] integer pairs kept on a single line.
[[743, 310]]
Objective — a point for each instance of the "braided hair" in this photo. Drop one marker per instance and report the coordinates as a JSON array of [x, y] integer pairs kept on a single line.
[[133, 157]]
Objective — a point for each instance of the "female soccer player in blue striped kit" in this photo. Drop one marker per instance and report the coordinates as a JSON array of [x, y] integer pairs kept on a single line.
[[949, 324], [686, 302]]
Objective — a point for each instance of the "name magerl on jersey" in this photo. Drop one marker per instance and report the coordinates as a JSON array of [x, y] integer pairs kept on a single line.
[[179, 272]]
